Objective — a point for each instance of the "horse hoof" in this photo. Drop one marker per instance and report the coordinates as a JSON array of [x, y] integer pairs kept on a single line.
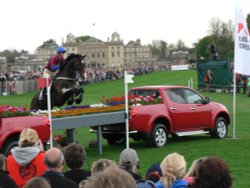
[[70, 102], [78, 101]]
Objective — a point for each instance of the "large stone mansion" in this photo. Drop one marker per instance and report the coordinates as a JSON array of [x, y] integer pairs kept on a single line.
[[112, 53]]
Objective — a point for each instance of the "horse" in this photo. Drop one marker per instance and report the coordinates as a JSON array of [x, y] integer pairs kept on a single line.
[[65, 85]]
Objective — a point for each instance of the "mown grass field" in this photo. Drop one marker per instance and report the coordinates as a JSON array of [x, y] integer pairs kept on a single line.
[[236, 152]]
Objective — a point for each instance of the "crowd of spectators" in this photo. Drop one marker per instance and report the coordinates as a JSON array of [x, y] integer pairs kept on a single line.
[[28, 166], [92, 75]]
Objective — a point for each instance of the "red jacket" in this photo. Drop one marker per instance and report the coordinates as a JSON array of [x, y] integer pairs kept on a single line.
[[55, 60], [22, 174]]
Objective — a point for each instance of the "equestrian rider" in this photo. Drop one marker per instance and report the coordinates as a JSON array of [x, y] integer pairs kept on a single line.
[[52, 68]]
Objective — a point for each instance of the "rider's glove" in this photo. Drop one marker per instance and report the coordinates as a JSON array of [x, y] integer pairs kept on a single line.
[[54, 68]]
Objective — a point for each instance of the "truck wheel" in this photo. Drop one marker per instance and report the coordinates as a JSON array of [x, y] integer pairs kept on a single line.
[[220, 128], [8, 145], [159, 136], [114, 140]]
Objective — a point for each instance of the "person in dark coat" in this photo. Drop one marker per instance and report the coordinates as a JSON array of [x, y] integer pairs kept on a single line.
[[75, 157], [5, 180], [54, 160]]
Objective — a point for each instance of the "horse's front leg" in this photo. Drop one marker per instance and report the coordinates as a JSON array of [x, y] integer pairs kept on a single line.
[[72, 98], [80, 93]]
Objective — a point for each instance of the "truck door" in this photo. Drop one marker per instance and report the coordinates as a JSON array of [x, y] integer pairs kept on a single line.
[[200, 114], [178, 109]]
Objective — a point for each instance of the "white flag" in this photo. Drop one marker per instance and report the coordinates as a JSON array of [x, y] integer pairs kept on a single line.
[[242, 44], [128, 78]]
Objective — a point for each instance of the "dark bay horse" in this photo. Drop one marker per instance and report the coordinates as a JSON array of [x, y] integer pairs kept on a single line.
[[64, 86]]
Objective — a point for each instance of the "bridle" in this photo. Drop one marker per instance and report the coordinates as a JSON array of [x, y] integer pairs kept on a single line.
[[75, 73]]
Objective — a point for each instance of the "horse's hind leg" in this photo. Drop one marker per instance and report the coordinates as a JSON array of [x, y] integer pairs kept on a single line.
[[71, 99], [80, 92]]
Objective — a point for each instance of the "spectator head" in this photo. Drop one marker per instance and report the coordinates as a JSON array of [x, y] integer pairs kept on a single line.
[[129, 160], [2, 161], [101, 164], [213, 172], [28, 138], [145, 184], [111, 177], [82, 183], [193, 168], [74, 155], [37, 182], [154, 173], [54, 160], [173, 168]]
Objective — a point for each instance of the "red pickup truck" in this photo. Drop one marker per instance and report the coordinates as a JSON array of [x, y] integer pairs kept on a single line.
[[181, 111], [10, 129]]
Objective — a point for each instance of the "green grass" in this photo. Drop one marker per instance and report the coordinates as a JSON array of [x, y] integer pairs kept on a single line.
[[236, 152]]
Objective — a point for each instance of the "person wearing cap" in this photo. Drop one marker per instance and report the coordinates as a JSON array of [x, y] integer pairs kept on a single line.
[[52, 68], [129, 162], [154, 173]]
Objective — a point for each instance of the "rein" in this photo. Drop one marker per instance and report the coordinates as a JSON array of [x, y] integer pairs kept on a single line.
[[64, 78]]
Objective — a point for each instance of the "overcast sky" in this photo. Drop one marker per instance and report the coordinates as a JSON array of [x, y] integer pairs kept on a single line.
[[26, 24]]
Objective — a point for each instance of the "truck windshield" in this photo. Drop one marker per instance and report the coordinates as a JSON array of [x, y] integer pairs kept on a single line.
[[145, 93]]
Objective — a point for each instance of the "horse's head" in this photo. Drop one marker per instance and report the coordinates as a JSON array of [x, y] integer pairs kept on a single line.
[[75, 63]]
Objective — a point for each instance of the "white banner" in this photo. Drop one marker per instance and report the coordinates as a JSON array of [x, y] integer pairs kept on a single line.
[[242, 44]]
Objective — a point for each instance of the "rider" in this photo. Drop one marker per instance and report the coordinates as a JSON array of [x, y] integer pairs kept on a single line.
[[52, 68]]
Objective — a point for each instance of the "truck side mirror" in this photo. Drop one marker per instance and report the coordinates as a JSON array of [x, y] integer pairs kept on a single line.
[[206, 100]]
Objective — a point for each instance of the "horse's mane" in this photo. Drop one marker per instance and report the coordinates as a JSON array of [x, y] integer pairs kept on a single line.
[[68, 59]]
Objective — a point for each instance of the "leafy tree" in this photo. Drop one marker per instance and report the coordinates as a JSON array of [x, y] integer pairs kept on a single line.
[[220, 34], [81, 39], [158, 48], [248, 20], [202, 50], [48, 43], [10, 55], [180, 45]]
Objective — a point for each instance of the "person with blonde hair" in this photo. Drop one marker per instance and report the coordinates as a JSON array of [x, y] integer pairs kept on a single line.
[[37, 182], [173, 169], [111, 177], [25, 161], [100, 165]]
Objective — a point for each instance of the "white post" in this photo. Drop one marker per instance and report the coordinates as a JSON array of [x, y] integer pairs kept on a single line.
[[48, 86], [126, 110], [127, 79], [192, 83], [234, 104]]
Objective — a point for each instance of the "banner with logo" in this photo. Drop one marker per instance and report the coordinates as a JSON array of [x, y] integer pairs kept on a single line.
[[242, 44]]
